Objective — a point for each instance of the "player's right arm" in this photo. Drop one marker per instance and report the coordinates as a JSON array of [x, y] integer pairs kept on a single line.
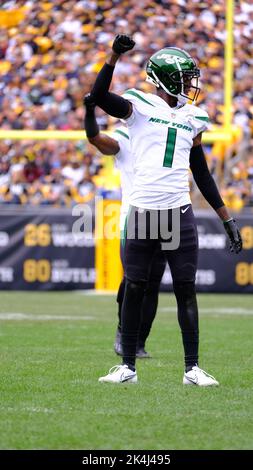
[[111, 103], [105, 144]]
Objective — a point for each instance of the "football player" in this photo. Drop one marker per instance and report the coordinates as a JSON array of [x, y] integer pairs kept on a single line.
[[119, 146], [165, 132]]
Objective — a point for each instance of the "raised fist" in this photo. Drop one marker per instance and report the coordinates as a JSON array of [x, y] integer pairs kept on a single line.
[[122, 43]]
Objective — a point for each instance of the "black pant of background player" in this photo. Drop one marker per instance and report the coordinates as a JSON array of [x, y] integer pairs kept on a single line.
[[150, 297], [183, 265]]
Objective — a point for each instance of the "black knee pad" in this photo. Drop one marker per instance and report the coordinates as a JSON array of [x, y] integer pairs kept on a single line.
[[133, 298], [187, 307], [135, 286]]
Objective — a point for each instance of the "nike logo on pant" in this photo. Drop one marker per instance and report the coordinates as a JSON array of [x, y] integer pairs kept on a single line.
[[184, 210]]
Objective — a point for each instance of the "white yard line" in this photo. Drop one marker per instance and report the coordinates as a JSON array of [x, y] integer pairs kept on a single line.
[[96, 293], [41, 317], [29, 409], [215, 311]]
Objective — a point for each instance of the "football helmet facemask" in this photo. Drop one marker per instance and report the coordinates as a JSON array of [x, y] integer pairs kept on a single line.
[[174, 70]]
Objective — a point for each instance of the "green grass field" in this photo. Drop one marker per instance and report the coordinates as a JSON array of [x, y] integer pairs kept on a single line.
[[54, 346]]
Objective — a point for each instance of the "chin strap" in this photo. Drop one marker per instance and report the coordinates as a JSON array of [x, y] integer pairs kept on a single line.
[[183, 100]]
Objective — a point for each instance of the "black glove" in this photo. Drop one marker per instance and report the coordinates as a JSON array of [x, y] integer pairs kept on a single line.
[[89, 102], [122, 43], [234, 235]]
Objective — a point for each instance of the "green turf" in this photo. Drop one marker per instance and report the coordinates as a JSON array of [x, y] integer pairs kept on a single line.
[[50, 397]]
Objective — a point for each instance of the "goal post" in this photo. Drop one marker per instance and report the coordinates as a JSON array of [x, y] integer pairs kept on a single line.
[[217, 134], [229, 66]]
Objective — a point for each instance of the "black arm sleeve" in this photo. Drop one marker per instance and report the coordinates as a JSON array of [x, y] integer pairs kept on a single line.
[[112, 104], [90, 123], [203, 178]]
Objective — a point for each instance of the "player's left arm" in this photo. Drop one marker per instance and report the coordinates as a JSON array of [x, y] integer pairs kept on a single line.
[[209, 190]]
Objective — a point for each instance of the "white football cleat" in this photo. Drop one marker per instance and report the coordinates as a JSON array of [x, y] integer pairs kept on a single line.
[[197, 376], [120, 374]]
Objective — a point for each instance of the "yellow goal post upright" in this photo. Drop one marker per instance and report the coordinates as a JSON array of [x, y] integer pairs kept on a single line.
[[107, 262]]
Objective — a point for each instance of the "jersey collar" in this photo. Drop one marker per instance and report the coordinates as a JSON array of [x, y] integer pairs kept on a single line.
[[157, 99]]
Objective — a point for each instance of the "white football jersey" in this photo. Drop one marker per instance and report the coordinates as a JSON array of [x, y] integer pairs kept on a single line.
[[124, 162], [161, 138]]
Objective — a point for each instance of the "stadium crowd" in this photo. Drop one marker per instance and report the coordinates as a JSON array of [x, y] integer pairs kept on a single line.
[[50, 52]]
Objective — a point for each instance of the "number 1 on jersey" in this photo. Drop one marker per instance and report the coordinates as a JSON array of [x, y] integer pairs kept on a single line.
[[170, 147]]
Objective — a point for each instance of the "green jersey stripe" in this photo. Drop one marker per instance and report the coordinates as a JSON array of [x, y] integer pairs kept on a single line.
[[202, 118], [122, 133], [130, 92]]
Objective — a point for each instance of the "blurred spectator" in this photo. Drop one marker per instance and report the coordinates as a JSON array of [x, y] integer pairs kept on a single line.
[[47, 172], [31, 171], [74, 170]]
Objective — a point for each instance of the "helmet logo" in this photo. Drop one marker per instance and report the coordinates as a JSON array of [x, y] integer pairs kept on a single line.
[[170, 59]]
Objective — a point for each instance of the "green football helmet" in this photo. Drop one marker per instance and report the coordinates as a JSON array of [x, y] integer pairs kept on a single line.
[[173, 70]]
